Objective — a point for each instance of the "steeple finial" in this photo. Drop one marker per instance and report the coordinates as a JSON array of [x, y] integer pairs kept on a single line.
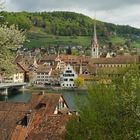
[[95, 34]]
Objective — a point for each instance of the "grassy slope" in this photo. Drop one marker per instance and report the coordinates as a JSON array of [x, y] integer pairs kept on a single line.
[[41, 39], [38, 38]]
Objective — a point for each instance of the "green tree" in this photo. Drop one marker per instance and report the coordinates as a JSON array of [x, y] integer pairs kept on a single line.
[[111, 112], [75, 52], [79, 82]]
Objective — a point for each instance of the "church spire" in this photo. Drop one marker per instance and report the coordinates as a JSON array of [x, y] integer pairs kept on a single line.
[[95, 46]]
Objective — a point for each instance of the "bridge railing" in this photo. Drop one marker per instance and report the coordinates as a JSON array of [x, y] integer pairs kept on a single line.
[[2, 85]]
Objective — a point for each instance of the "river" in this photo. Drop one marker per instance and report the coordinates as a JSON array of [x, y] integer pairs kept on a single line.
[[70, 97]]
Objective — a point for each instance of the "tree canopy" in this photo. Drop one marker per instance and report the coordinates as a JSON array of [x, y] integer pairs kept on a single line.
[[111, 112], [42, 25], [65, 23], [78, 82]]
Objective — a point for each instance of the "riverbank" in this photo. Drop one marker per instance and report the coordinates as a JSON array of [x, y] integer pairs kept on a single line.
[[52, 89]]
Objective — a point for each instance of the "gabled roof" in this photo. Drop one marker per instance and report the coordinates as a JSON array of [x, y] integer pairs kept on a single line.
[[49, 128], [74, 60], [23, 66], [51, 101], [19, 69], [18, 58], [56, 73], [44, 124]]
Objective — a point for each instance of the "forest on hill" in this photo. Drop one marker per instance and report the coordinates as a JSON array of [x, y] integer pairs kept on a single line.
[[63, 28]]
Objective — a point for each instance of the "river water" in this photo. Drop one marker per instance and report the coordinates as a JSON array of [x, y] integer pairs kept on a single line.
[[71, 97]]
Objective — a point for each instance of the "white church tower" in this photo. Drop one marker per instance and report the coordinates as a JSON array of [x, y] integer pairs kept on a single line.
[[95, 45]]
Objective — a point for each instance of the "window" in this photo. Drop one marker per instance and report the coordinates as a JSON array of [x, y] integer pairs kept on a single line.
[[60, 105], [71, 80], [86, 72], [68, 71], [65, 79], [68, 75]]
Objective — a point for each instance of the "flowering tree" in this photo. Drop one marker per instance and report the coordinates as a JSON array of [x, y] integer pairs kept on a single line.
[[10, 39]]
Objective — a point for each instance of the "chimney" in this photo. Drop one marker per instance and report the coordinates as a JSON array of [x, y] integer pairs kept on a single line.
[[80, 71], [35, 63]]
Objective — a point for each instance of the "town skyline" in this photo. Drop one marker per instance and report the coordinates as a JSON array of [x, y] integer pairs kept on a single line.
[[109, 11]]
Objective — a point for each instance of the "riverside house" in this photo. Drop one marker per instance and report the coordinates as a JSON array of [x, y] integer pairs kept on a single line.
[[67, 77], [42, 74], [17, 77]]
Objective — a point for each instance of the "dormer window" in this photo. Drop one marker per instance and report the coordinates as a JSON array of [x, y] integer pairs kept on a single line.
[[25, 121], [40, 105]]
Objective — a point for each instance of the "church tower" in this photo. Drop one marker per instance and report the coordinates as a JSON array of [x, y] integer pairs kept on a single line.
[[95, 46]]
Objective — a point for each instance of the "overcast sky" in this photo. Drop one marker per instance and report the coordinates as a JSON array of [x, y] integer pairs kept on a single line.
[[115, 11]]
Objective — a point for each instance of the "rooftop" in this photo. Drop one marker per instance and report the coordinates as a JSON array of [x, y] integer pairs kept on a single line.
[[128, 59], [42, 123]]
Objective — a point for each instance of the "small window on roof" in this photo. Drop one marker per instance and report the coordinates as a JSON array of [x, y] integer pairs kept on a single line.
[[40, 105]]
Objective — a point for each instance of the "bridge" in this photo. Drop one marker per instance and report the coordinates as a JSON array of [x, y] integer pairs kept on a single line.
[[5, 86]]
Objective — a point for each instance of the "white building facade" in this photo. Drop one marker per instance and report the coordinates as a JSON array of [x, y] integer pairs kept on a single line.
[[43, 76], [67, 77], [15, 78]]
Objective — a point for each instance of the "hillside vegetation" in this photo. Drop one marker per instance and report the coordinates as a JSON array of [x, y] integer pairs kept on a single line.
[[69, 28]]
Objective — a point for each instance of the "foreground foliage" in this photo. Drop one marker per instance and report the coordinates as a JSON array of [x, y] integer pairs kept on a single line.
[[111, 112]]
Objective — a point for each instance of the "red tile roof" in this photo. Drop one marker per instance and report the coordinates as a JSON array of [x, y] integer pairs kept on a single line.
[[50, 127], [44, 124], [116, 60], [10, 113], [43, 68]]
